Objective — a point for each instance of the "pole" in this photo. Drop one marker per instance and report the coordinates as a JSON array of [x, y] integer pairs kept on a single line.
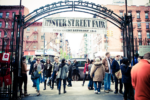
[[126, 6], [20, 6], [44, 45]]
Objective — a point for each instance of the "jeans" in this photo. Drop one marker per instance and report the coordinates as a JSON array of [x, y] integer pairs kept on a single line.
[[38, 83], [97, 84], [23, 80], [34, 82], [116, 84], [85, 75], [53, 78], [90, 82], [107, 81], [69, 81], [112, 78], [59, 84]]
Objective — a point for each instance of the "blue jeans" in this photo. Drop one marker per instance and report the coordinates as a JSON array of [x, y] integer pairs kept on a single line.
[[53, 78], [69, 81], [34, 82], [59, 84], [107, 81], [97, 84], [90, 82], [38, 83]]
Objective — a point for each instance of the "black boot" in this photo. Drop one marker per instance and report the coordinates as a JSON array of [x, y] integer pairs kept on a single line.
[[65, 90], [50, 83], [44, 85], [59, 91]]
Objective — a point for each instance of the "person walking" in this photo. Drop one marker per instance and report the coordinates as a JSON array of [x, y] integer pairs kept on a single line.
[[115, 68], [75, 70], [98, 74], [126, 76], [38, 66], [107, 65], [47, 72], [24, 77], [55, 69], [62, 75], [90, 85], [31, 70], [140, 74], [85, 72], [70, 73]]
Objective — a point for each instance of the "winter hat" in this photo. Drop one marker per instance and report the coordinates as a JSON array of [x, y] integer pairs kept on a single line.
[[97, 60]]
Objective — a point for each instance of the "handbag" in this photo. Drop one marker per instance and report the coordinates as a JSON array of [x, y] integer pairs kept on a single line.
[[7, 78], [118, 74], [35, 75]]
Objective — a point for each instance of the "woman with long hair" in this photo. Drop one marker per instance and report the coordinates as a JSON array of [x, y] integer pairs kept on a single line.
[[38, 66], [90, 85], [85, 72], [62, 75], [126, 76], [47, 72], [75, 70]]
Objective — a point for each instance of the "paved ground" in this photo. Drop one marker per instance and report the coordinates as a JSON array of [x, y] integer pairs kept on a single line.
[[77, 92]]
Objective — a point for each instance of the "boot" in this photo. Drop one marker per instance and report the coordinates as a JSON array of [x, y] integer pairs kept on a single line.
[[59, 92], [44, 85], [26, 94], [38, 93], [65, 90], [52, 85]]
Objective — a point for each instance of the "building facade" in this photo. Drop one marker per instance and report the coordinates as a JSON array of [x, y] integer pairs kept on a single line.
[[6, 20]]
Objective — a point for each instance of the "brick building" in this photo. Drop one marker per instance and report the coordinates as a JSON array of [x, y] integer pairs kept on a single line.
[[6, 19], [141, 30]]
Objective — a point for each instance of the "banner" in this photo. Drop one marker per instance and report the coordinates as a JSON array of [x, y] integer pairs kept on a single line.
[[74, 25], [144, 49]]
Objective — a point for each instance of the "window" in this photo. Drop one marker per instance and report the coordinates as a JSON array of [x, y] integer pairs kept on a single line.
[[28, 29], [13, 14], [35, 37], [0, 24], [139, 25], [1, 15], [7, 15], [148, 35], [138, 14], [0, 33], [6, 25], [12, 24], [5, 34], [129, 13], [121, 14], [147, 25], [42, 37], [146, 15], [11, 34], [35, 29], [139, 35], [34, 47], [27, 37], [140, 42]]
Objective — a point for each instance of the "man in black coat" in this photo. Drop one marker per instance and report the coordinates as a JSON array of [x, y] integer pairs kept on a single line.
[[116, 67], [69, 74], [31, 70]]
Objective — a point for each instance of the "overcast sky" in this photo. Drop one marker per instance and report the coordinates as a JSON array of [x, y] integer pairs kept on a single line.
[[74, 39]]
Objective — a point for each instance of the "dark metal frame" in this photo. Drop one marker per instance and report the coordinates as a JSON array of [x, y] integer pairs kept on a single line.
[[21, 22]]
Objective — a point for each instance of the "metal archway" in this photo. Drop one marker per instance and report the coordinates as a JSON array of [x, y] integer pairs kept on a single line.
[[22, 22]]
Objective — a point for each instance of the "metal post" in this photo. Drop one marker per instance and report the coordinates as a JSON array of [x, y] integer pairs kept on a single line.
[[126, 6], [123, 43], [20, 6], [44, 45]]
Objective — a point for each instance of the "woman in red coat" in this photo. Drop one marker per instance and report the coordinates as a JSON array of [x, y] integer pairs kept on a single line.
[[85, 72]]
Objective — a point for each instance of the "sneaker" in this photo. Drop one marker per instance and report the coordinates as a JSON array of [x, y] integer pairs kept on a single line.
[[110, 90], [106, 91], [95, 92], [99, 92]]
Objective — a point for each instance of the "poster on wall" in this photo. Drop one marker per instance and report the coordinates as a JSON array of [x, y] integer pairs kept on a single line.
[[144, 49]]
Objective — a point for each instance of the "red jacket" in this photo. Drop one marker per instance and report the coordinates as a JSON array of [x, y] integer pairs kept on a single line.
[[85, 68], [140, 75]]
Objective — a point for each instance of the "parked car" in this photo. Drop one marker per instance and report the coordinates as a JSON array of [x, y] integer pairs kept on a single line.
[[81, 64]]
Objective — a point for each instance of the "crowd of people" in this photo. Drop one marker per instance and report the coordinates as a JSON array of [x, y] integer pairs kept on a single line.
[[134, 75]]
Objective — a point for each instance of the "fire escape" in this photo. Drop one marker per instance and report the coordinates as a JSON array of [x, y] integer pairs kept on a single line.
[[31, 41]]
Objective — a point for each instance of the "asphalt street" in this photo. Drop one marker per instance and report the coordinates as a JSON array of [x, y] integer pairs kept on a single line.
[[76, 92]]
